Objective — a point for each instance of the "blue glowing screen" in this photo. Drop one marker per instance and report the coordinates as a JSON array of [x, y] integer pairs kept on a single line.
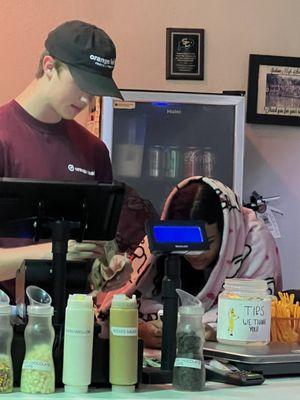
[[178, 234]]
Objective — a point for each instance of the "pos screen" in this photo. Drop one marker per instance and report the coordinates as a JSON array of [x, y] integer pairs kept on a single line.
[[176, 236]]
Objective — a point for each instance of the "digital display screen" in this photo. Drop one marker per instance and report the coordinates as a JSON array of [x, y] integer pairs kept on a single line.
[[178, 234]]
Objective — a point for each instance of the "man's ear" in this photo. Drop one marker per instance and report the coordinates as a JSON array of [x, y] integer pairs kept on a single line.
[[48, 66]]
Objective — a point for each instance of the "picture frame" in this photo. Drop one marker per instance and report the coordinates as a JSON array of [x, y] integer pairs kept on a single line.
[[185, 53], [273, 90]]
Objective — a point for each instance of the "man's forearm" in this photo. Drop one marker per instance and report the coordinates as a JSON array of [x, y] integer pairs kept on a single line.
[[12, 258]]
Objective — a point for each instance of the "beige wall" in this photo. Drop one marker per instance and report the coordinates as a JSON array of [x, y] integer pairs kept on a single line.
[[233, 29]]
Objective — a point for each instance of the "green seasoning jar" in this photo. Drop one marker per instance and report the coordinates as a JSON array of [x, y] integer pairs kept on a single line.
[[6, 334], [189, 368], [244, 312]]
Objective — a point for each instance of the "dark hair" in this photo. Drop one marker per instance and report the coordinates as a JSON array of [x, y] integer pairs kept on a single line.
[[196, 200], [58, 65]]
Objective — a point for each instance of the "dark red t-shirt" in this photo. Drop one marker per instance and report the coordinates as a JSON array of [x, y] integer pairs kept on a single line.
[[63, 151]]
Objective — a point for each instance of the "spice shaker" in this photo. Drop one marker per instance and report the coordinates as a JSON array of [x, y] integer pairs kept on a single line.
[[6, 335], [38, 375], [78, 343], [123, 343], [189, 368], [244, 312]]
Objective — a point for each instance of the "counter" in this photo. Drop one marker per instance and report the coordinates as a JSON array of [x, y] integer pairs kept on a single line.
[[275, 389]]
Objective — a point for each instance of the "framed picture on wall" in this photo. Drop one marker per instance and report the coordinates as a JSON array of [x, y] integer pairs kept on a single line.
[[185, 53], [273, 90]]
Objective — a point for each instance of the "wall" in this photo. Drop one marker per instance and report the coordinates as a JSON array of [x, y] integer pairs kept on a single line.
[[233, 30]]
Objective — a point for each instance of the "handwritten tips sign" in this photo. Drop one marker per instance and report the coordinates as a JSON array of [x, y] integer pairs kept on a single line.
[[244, 320]]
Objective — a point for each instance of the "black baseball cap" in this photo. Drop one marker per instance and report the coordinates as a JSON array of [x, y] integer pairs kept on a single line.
[[89, 53]]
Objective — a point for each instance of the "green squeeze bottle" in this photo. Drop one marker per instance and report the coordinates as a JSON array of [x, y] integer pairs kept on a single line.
[[123, 343]]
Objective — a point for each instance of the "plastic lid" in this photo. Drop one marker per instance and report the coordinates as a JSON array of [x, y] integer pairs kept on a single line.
[[246, 285], [40, 301], [82, 301], [191, 305], [122, 301], [123, 388], [76, 389], [5, 307]]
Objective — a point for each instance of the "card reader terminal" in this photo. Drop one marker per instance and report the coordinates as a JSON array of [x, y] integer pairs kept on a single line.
[[177, 237]]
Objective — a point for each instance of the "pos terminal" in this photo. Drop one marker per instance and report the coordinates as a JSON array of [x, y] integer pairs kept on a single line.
[[172, 239], [57, 211]]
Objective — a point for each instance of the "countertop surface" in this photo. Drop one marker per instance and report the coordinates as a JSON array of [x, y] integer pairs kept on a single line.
[[275, 389]]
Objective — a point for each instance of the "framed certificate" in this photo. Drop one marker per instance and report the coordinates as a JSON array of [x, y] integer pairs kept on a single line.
[[273, 90], [185, 53]]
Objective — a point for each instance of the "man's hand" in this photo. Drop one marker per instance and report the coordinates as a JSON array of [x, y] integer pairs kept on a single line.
[[88, 249], [117, 274], [151, 333]]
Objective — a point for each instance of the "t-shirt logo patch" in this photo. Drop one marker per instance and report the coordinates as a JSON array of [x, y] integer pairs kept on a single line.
[[72, 168]]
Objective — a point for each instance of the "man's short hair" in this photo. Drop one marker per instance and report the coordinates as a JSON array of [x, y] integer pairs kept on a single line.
[[58, 65]]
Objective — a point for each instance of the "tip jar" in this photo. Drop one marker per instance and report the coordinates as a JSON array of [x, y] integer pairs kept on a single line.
[[244, 313]]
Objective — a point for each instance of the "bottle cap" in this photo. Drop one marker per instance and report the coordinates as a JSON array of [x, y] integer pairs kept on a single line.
[[76, 389], [122, 301], [191, 305], [123, 388], [82, 301], [40, 301]]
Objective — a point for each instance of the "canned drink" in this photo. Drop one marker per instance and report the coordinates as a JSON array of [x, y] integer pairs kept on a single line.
[[155, 158], [172, 162], [192, 164], [208, 162]]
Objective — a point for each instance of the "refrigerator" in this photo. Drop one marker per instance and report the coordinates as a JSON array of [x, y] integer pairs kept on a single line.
[[158, 138]]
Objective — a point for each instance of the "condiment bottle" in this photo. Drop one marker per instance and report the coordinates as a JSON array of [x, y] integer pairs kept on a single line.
[[123, 343], [78, 343], [6, 335], [244, 312], [38, 374], [189, 368]]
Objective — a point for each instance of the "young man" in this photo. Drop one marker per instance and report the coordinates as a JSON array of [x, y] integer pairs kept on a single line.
[[39, 138]]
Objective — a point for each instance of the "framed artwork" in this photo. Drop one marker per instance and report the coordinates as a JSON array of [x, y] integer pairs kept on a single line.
[[273, 90], [185, 53]]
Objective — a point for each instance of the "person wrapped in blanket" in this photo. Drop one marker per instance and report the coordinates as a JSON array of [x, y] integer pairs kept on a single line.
[[240, 247]]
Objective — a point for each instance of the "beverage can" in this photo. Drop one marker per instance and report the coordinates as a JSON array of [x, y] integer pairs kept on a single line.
[[208, 162], [192, 161], [155, 159], [172, 162]]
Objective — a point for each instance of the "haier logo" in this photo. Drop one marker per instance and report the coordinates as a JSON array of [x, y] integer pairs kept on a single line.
[[173, 111]]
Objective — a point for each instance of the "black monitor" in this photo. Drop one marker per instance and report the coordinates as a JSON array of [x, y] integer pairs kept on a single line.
[[26, 207], [58, 211]]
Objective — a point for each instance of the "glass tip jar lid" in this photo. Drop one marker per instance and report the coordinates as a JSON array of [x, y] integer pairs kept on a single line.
[[246, 285], [5, 307], [40, 301]]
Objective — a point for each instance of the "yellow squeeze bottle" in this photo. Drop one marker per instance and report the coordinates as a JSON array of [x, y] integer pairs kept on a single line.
[[123, 343]]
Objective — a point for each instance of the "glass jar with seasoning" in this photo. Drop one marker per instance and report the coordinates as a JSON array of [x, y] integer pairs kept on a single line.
[[189, 368], [38, 374], [244, 312], [6, 335]]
